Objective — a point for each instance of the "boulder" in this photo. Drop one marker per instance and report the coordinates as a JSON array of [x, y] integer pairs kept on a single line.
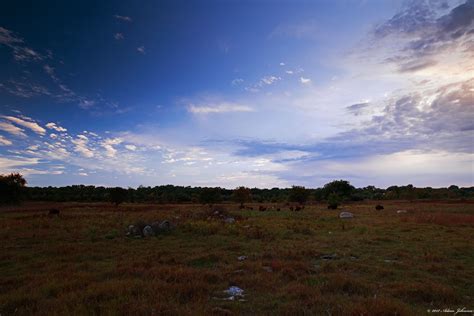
[[161, 227], [229, 220], [346, 215], [148, 231], [133, 231]]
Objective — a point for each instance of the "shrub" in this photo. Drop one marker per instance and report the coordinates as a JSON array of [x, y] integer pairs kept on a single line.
[[333, 201]]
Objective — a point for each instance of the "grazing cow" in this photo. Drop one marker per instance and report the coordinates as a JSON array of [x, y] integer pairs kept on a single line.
[[291, 208], [53, 212], [297, 209], [379, 207], [278, 209], [262, 208]]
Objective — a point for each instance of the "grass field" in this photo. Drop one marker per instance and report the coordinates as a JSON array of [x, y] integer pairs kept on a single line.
[[378, 263]]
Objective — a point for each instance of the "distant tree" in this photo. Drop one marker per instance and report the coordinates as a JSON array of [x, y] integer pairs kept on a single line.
[[118, 195], [210, 195], [298, 194], [334, 201], [242, 195], [12, 188], [343, 189]]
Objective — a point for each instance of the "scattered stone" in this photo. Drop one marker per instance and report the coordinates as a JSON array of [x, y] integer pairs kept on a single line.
[[148, 231], [239, 271], [229, 220], [242, 258], [390, 261], [346, 215], [267, 268], [234, 293], [133, 231], [401, 211], [329, 257]]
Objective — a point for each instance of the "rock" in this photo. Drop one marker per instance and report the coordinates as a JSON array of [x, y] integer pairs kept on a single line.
[[133, 231], [161, 227], [329, 257], [165, 225], [267, 268], [229, 220], [401, 212], [234, 291], [148, 231], [242, 258], [346, 215]]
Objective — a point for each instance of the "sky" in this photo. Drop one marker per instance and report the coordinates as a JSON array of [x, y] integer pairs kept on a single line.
[[228, 93]]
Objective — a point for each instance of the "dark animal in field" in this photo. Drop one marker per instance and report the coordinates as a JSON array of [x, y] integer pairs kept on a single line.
[[53, 212], [379, 207], [278, 209], [249, 208], [291, 208], [332, 207], [298, 208], [262, 208]]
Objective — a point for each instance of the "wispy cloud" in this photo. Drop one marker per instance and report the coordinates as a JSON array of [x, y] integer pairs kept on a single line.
[[141, 50], [118, 36], [27, 123], [4, 141], [219, 108], [56, 127], [12, 129], [123, 18]]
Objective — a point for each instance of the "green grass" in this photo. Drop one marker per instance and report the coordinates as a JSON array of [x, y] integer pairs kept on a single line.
[[386, 263]]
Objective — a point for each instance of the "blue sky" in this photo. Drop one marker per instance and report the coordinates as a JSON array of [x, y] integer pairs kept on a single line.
[[228, 93]]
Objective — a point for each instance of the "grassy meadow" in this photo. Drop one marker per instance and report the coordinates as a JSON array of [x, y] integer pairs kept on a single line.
[[297, 263]]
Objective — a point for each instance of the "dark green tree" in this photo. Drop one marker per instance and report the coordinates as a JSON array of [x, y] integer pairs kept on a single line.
[[12, 188], [118, 195], [298, 194], [242, 195], [210, 195], [342, 188]]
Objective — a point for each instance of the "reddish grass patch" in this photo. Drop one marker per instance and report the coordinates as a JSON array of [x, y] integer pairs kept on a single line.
[[445, 219]]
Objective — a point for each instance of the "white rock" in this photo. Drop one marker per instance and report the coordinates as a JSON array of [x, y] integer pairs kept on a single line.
[[346, 215]]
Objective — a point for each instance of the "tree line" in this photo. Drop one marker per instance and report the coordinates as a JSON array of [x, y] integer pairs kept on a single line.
[[13, 189]]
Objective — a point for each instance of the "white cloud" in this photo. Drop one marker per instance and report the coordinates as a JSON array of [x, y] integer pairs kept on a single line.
[[141, 50], [219, 108], [56, 127], [81, 146], [131, 147], [268, 80], [26, 123], [282, 64], [289, 72], [9, 164], [108, 144], [305, 80], [118, 36], [4, 141], [12, 129]]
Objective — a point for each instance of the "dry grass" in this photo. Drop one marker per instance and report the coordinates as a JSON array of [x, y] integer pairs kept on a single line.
[[383, 263]]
